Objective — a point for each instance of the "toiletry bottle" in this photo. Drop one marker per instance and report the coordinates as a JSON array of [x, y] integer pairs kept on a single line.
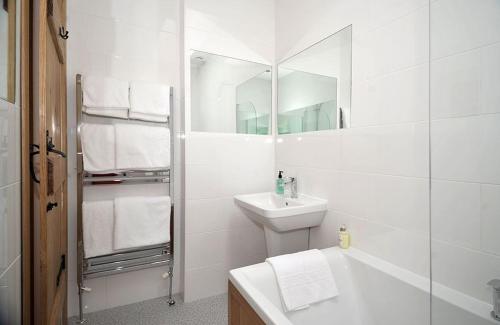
[[280, 183], [344, 237]]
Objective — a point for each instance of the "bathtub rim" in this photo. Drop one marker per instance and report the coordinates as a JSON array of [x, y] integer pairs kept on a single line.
[[272, 315]]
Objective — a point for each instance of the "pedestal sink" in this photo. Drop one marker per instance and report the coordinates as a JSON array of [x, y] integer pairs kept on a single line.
[[286, 221]]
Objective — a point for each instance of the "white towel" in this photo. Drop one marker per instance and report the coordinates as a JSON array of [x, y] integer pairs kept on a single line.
[[98, 147], [119, 113], [149, 101], [105, 96], [141, 221], [304, 278], [142, 147], [98, 223]]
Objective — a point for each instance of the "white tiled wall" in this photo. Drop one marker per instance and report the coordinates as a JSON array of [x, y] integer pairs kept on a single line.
[[10, 205], [218, 237], [375, 174], [128, 40], [465, 142], [10, 214]]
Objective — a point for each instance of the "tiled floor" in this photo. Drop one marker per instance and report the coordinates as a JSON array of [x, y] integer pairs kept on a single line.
[[210, 311]]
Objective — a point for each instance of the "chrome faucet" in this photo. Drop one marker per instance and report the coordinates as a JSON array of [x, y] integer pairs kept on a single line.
[[495, 284], [293, 186]]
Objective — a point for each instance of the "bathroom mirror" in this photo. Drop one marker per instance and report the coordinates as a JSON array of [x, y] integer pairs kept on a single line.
[[314, 86], [230, 95], [8, 50]]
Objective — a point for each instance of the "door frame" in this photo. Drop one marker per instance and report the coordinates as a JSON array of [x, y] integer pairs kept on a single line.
[[26, 130]]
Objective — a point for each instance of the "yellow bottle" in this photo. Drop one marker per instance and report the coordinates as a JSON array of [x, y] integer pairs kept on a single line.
[[344, 237]]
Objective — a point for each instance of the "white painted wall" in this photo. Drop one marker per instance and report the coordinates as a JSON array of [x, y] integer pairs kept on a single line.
[[127, 40], [465, 142], [218, 237], [375, 175], [10, 203]]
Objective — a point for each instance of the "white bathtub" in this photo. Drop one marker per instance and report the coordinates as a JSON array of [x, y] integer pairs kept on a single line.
[[372, 292]]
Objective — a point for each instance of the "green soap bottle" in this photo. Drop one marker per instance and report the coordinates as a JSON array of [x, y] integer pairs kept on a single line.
[[280, 183]]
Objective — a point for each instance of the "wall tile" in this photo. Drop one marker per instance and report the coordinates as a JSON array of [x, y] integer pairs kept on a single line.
[[455, 149], [489, 159], [490, 79], [10, 295], [205, 282], [94, 300], [403, 248], [409, 91], [124, 289], [455, 213], [10, 225], [402, 202], [10, 144], [460, 25], [205, 249], [476, 269], [356, 196], [403, 150], [490, 218], [318, 150], [401, 44], [359, 149], [455, 82], [208, 215]]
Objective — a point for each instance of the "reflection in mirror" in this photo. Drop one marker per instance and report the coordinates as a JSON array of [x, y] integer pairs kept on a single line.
[[229, 95], [314, 86], [8, 50]]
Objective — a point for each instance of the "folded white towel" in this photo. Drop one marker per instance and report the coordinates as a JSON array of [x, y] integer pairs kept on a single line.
[[147, 117], [142, 147], [98, 147], [141, 221], [105, 96], [304, 278], [98, 223], [149, 101], [119, 113]]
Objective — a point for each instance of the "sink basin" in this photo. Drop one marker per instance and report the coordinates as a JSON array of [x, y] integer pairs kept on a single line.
[[286, 221], [283, 214]]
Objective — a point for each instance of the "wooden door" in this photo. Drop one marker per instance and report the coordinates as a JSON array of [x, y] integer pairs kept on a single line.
[[49, 190]]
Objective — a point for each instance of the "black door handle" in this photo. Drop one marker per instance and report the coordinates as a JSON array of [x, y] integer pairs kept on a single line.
[[62, 267], [51, 147], [51, 205]]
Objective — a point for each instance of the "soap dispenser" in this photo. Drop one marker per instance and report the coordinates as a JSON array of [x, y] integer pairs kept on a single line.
[[280, 183], [344, 237]]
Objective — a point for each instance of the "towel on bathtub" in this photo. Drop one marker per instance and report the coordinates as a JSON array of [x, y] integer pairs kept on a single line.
[[142, 146], [141, 221], [303, 278], [98, 223]]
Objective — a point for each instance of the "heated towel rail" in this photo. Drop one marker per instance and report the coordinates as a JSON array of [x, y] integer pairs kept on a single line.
[[133, 259]]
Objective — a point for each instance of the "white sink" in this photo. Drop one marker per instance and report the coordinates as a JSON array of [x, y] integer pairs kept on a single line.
[[286, 221]]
